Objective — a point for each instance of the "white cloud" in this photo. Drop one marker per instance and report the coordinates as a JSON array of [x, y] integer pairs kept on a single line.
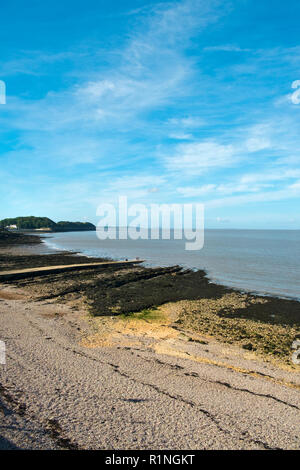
[[191, 191], [180, 128], [63, 151], [230, 188], [241, 188], [226, 48], [96, 89], [136, 187], [149, 71], [295, 186], [287, 192], [189, 122], [259, 138], [100, 119], [136, 181], [255, 144], [256, 187], [198, 157], [180, 136], [275, 175], [35, 62]]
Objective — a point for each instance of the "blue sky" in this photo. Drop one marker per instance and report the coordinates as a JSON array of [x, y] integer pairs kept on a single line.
[[165, 102]]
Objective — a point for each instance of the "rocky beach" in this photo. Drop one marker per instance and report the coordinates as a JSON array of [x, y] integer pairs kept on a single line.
[[129, 357]]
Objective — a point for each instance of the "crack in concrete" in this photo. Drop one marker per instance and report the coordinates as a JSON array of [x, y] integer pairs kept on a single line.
[[208, 414], [179, 398], [226, 384]]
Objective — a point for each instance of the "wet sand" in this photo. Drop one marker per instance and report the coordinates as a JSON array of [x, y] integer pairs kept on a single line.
[[136, 358]]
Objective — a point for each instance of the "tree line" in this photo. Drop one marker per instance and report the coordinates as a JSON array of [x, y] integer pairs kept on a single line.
[[32, 223]]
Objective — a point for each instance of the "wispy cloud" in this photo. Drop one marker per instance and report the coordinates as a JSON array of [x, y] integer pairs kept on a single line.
[[167, 110], [288, 192], [248, 188], [259, 138], [221, 189], [188, 122], [275, 175], [226, 48], [146, 74], [198, 157], [36, 62]]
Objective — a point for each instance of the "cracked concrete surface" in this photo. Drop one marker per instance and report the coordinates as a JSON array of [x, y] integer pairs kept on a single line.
[[132, 394]]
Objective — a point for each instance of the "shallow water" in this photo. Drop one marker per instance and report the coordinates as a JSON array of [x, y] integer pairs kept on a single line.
[[263, 261]]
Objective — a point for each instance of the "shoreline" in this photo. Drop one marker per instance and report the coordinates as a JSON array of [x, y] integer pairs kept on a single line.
[[228, 282], [263, 324], [91, 364], [210, 277]]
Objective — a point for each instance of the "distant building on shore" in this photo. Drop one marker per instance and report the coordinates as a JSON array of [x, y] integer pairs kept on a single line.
[[11, 227]]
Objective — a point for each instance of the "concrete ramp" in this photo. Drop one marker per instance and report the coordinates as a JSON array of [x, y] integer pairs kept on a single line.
[[32, 272]]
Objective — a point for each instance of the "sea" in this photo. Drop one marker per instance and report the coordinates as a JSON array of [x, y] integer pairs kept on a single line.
[[257, 261]]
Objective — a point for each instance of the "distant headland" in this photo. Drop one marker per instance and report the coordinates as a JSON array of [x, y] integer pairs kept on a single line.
[[44, 224]]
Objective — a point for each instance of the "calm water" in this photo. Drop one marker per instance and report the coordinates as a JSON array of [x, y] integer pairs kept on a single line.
[[263, 261]]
